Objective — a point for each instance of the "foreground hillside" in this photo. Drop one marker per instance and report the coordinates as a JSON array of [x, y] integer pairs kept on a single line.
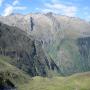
[[11, 76], [76, 82], [21, 80]]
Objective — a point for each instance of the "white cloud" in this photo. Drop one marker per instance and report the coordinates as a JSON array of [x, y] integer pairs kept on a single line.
[[15, 2], [13, 7], [8, 10], [1, 2], [57, 7], [61, 9]]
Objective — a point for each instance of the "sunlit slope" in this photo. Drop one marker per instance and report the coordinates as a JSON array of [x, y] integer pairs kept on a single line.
[[23, 82], [75, 82], [11, 73], [65, 41]]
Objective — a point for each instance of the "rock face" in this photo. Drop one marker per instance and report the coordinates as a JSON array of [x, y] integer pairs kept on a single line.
[[84, 49], [26, 52], [65, 41]]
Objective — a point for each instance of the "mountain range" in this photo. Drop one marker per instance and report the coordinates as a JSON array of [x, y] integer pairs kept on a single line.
[[44, 44]]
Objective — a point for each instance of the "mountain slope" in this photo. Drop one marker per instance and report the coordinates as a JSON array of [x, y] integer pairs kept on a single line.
[[10, 76], [22, 81], [64, 39], [26, 53]]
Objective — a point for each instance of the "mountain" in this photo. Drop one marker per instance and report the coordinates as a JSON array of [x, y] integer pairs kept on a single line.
[[65, 40], [27, 53], [37, 50], [21, 58], [12, 78]]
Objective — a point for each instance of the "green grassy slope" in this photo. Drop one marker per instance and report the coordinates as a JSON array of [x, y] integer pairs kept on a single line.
[[75, 82], [23, 82], [11, 73]]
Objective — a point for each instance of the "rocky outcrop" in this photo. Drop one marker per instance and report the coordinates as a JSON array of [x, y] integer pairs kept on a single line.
[[31, 23], [26, 52]]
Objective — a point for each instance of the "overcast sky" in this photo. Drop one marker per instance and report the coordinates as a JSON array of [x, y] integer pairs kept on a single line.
[[72, 8]]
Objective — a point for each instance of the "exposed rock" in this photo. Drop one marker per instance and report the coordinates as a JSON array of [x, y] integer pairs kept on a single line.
[[26, 52], [62, 38], [84, 49]]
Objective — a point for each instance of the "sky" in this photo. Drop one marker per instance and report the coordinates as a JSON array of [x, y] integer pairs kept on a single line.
[[72, 8]]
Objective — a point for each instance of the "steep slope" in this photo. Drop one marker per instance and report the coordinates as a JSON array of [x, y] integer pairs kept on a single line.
[[10, 76], [84, 49], [26, 52], [61, 37]]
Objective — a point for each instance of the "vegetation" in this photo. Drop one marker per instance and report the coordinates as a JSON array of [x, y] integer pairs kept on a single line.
[[22, 81], [25, 64], [75, 82], [11, 73]]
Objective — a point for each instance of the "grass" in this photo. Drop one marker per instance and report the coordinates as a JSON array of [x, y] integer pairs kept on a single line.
[[75, 82], [24, 82], [15, 75]]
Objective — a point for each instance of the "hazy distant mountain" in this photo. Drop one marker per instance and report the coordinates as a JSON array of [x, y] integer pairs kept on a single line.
[[65, 40]]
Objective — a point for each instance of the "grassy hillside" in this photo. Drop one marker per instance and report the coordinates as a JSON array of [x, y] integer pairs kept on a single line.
[[23, 82], [11, 73], [75, 82]]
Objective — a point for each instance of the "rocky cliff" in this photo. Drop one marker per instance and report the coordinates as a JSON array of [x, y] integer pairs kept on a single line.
[[26, 52], [65, 41]]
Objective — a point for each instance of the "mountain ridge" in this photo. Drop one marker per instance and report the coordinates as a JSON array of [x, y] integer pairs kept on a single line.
[[59, 36]]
